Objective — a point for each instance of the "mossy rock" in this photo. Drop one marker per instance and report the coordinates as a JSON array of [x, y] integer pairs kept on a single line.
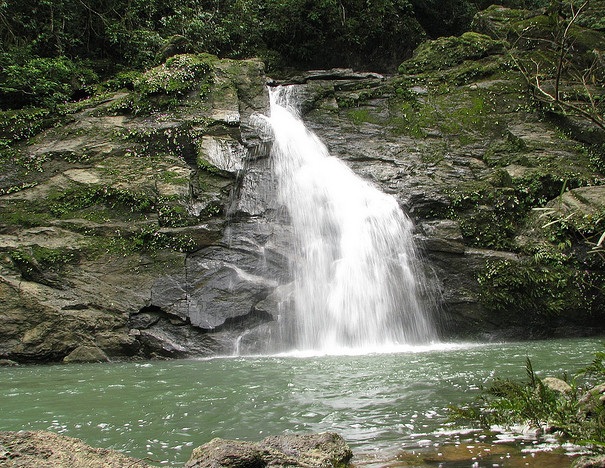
[[86, 354], [43, 265], [530, 30], [447, 52], [496, 21]]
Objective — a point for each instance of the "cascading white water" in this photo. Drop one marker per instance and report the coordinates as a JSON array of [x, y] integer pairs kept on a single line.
[[353, 259]]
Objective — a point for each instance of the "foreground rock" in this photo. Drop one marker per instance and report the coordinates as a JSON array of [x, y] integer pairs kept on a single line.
[[304, 451], [41, 448]]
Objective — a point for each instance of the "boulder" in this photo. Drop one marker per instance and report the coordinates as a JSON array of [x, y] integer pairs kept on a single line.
[[556, 385], [86, 354], [303, 451], [42, 448]]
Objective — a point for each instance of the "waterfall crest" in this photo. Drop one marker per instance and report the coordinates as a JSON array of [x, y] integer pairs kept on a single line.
[[353, 257]]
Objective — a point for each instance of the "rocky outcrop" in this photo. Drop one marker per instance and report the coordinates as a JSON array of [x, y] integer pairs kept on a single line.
[[114, 231], [41, 448], [304, 451], [143, 223]]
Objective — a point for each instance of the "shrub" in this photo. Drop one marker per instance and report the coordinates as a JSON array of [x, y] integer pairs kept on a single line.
[[42, 81]]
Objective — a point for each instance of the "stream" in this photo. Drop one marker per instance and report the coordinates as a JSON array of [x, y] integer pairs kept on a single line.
[[387, 406]]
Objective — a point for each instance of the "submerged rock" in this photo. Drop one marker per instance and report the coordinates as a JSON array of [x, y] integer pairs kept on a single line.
[[86, 354], [303, 451]]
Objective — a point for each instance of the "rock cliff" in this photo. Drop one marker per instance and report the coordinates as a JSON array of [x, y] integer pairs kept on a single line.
[[142, 222]]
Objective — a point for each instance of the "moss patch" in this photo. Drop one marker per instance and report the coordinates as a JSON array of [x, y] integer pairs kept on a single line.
[[162, 87], [447, 52]]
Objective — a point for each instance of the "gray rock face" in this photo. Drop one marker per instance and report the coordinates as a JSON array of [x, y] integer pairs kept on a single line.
[[137, 262], [157, 233], [219, 284]]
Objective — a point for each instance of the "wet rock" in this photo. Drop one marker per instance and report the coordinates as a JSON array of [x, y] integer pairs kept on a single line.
[[86, 354], [41, 448], [334, 74], [304, 451]]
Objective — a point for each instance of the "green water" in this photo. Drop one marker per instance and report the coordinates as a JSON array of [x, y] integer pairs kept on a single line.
[[380, 403]]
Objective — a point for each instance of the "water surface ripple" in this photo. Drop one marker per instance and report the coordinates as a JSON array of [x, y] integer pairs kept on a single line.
[[380, 403]]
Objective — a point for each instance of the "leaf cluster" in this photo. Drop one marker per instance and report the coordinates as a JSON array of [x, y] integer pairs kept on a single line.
[[42, 81]]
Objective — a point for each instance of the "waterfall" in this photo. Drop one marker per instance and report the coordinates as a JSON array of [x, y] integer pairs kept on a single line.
[[353, 259]]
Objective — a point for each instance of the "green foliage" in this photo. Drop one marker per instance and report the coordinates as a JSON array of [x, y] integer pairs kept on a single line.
[[150, 239], [575, 415], [25, 214], [47, 258], [178, 75], [40, 81], [596, 155], [93, 202], [132, 33], [596, 369], [444, 17], [489, 216], [147, 240], [529, 288], [352, 31], [160, 88], [492, 212], [138, 47], [41, 264], [16, 125], [580, 227], [122, 80], [172, 213], [508, 402]]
